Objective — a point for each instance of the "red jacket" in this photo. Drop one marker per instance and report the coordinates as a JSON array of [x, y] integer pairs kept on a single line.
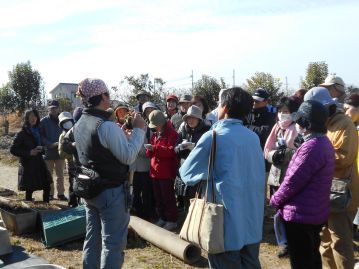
[[164, 162]]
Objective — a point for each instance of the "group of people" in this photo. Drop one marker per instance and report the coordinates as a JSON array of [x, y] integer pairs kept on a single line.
[[296, 146]]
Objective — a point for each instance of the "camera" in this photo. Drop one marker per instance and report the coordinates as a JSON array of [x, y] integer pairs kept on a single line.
[[128, 122], [281, 144]]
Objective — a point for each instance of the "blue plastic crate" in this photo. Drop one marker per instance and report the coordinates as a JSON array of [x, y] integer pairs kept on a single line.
[[63, 226]]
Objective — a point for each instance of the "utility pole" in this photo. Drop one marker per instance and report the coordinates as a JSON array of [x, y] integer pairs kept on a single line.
[[234, 77], [300, 82], [192, 79], [286, 85]]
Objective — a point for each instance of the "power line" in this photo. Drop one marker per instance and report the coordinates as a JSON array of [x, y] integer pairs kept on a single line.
[[286, 84]]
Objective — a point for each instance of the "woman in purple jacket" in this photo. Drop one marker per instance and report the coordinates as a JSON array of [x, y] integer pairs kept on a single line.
[[303, 197]]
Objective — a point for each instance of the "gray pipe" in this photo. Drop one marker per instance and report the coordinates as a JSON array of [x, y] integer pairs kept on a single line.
[[165, 240]]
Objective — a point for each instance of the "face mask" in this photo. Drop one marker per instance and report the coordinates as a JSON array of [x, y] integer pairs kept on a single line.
[[67, 125], [300, 130], [284, 117]]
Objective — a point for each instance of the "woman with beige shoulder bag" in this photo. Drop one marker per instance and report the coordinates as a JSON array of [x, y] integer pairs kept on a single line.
[[238, 182]]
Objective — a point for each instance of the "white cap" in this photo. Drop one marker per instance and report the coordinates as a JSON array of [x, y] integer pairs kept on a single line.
[[65, 116], [334, 80]]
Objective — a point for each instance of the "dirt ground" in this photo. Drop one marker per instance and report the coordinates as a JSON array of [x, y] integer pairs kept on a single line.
[[138, 254]]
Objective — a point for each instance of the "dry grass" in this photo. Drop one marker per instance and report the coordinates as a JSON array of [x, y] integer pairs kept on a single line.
[[139, 253], [68, 255], [7, 158], [15, 122]]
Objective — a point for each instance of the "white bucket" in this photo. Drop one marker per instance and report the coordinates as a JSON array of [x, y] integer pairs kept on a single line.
[[5, 246]]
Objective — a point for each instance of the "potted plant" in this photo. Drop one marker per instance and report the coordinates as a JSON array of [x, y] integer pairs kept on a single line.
[[17, 218], [41, 209], [6, 192]]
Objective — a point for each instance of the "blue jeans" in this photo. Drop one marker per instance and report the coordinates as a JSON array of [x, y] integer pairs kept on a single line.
[[246, 258], [106, 230]]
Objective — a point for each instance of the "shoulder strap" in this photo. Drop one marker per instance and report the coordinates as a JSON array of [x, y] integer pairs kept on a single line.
[[148, 133], [278, 130], [98, 124], [281, 133], [212, 157]]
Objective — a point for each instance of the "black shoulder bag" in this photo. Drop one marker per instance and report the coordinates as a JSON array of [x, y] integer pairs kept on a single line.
[[87, 182]]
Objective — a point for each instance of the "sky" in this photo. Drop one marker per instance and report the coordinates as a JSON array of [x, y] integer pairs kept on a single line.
[[69, 40]]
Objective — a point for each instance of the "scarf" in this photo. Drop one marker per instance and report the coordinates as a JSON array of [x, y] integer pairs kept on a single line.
[[290, 133], [36, 134]]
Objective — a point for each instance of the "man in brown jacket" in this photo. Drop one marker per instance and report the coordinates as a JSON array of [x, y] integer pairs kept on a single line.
[[337, 236]]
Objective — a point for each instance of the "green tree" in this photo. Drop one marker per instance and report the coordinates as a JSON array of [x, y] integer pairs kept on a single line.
[[133, 85], [316, 74], [209, 88], [7, 99], [7, 105], [268, 82], [65, 104], [27, 85]]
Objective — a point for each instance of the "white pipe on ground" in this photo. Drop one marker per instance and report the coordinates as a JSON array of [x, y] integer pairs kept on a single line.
[[168, 241]]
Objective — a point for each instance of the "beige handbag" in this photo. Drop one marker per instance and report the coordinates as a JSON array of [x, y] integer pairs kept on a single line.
[[204, 222]]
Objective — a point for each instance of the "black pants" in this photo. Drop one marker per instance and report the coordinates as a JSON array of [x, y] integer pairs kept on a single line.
[[73, 199], [190, 193], [303, 244], [143, 198], [45, 194], [272, 190]]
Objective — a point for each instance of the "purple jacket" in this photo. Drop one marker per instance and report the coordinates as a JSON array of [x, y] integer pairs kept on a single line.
[[303, 196]]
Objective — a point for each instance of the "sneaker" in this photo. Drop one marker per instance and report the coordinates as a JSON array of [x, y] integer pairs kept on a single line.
[[160, 222], [62, 197], [283, 252], [170, 226]]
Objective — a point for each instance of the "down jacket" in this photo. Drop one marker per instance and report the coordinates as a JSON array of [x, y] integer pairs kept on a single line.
[[164, 162], [303, 197]]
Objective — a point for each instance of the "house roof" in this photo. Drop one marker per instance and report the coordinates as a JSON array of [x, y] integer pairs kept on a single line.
[[64, 84]]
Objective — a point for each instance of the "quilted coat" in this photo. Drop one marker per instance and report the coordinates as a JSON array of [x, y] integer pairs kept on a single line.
[[303, 197]]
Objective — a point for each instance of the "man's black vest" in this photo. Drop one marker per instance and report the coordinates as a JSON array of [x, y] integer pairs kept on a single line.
[[91, 152]]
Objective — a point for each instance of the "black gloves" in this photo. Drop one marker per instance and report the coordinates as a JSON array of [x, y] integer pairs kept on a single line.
[[278, 156]]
